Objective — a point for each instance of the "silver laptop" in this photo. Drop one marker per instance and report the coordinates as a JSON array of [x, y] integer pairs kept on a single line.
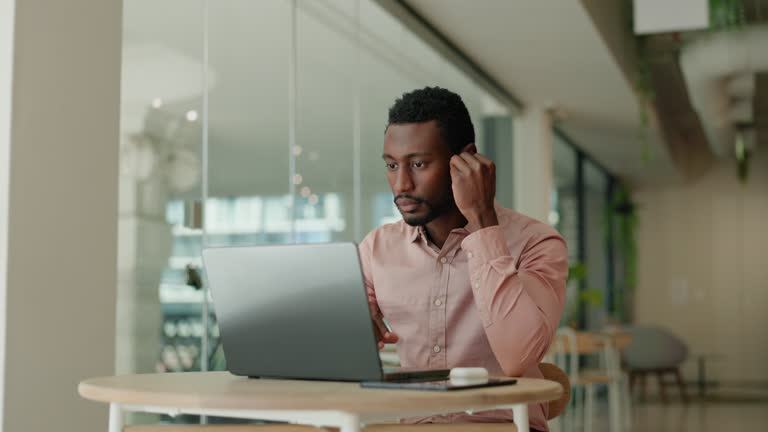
[[297, 311]]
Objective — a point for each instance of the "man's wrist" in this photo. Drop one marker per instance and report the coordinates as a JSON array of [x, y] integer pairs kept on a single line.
[[477, 220]]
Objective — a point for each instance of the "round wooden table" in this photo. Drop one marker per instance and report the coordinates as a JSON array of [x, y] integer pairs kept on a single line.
[[594, 342], [319, 403]]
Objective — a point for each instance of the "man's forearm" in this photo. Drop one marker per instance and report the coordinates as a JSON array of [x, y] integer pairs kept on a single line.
[[519, 307]]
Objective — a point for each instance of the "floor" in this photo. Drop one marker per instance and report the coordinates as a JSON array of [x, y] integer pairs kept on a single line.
[[699, 415]]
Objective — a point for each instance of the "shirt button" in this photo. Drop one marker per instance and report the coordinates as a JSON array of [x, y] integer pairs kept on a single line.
[[438, 302], [476, 285], [470, 255], [443, 260], [436, 348]]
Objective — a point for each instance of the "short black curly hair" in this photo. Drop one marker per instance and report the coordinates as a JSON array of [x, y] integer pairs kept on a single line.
[[436, 103]]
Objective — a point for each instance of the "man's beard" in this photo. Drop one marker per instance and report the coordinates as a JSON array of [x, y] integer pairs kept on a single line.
[[433, 210], [432, 213]]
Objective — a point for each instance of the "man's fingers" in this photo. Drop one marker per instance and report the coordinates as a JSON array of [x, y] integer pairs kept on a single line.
[[381, 328], [384, 331], [460, 165], [383, 335], [390, 338], [467, 162], [473, 163], [483, 160], [468, 158]]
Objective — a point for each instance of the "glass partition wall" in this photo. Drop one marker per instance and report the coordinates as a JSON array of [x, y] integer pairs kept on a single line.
[[247, 123], [565, 216], [583, 211]]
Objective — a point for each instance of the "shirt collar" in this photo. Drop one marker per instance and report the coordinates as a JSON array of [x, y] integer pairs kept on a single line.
[[414, 232]]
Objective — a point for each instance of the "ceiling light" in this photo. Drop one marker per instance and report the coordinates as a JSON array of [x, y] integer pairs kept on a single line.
[[191, 115]]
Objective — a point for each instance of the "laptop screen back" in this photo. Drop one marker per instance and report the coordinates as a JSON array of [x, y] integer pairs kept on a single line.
[[293, 311]]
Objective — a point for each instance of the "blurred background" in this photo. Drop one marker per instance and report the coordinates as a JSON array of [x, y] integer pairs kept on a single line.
[[638, 129], [632, 127]]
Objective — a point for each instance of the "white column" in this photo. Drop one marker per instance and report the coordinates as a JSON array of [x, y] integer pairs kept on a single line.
[[59, 113], [6, 61], [533, 163]]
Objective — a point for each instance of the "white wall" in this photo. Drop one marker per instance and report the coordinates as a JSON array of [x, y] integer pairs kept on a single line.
[[61, 201], [6, 59], [703, 267]]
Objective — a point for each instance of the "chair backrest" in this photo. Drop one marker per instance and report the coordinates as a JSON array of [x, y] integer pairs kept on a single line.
[[654, 348], [554, 373]]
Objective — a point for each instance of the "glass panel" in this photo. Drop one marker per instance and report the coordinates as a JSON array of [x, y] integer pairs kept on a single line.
[[159, 184], [324, 178], [384, 75], [248, 154], [565, 211], [159, 325], [565, 215], [620, 302], [498, 146], [595, 237]]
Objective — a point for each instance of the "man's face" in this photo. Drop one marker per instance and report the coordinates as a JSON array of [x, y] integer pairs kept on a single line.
[[418, 171]]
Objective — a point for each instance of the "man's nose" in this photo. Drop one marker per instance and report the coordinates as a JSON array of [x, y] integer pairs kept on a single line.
[[403, 182]]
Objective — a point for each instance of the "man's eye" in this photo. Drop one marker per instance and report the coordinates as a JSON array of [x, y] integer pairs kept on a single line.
[[418, 164], [391, 166]]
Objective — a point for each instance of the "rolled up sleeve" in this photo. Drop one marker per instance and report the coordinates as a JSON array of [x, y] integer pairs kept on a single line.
[[520, 299]]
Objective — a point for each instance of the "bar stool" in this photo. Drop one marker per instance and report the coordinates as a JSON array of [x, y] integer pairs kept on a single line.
[[566, 348]]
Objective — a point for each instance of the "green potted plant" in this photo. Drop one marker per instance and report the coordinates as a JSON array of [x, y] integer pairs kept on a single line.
[[589, 298]]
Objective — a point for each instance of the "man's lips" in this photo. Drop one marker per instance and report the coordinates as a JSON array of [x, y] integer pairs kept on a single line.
[[407, 205]]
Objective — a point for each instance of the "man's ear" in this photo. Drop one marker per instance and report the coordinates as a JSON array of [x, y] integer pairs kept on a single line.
[[470, 148]]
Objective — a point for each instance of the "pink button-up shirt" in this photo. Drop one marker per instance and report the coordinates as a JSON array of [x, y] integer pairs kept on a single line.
[[492, 298]]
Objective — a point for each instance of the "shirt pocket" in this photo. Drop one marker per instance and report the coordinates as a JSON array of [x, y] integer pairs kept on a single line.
[[407, 317], [395, 308], [398, 301]]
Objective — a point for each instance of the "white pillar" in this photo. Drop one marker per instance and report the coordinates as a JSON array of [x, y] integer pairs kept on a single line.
[[533, 163], [6, 61], [59, 113]]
